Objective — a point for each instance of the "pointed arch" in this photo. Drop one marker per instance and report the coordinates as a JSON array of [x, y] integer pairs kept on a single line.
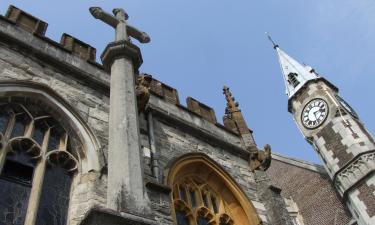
[[64, 111], [231, 205]]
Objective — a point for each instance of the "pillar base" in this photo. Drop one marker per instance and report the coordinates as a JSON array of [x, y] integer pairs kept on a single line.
[[103, 216], [119, 49]]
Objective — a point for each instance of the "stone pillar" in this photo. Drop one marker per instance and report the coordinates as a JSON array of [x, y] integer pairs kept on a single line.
[[125, 191]]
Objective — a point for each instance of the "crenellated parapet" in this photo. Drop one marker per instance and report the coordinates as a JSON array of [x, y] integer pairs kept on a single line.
[[201, 109], [38, 27], [26, 21]]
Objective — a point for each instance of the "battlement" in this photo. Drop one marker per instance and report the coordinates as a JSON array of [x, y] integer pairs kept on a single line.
[[38, 27], [76, 47]]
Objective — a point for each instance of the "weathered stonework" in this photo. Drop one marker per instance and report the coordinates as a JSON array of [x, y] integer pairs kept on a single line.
[[65, 74]]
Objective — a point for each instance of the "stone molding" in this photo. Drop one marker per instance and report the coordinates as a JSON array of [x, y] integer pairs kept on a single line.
[[354, 172], [72, 118], [120, 49]]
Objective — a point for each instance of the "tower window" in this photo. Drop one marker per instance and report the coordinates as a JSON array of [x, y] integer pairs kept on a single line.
[[292, 79]]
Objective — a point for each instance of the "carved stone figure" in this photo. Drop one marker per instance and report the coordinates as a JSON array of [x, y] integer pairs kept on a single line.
[[142, 89], [260, 160], [120, 19]]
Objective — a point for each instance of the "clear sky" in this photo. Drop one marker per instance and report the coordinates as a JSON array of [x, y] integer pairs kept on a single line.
[[198, 46]]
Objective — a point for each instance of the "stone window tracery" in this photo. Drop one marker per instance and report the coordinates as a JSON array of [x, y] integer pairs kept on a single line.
[[198, 204], [37, 162], [205, 194]]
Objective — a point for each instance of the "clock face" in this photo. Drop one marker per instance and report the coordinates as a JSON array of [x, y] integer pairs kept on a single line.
[[314, 113], [346, 106]]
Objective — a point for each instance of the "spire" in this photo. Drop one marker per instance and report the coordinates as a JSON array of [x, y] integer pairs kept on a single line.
[[295, 73], [232, 106], [234, 120]]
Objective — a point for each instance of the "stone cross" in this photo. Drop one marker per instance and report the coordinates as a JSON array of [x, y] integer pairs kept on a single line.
[[125, 189], [118, 21]]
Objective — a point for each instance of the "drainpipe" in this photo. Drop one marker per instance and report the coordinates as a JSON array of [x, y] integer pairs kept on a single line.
[[154, 154]]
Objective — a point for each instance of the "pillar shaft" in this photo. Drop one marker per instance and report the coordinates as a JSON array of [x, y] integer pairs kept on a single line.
[[125, 191]]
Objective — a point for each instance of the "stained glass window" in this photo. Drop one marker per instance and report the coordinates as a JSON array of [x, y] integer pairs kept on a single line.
[[15, 185], [224, 223], [13, 202], [28, 124], [193, 197], [205, 200], [3, 121], [54, 140], [202, 221], [181, 218], [183, 193], [214, 204], [19, 126], [53, 206]]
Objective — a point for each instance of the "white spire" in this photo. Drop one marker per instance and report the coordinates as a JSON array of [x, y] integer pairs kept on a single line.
[[295, 74]]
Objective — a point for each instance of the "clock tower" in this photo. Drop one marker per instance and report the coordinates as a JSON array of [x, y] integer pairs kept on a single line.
[[337, 134]]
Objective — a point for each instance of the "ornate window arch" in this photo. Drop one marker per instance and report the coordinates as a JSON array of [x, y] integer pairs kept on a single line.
[[43, 144], [204, 194]]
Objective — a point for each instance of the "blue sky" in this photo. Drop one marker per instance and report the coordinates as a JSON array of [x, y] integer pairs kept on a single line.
[[198, 46]]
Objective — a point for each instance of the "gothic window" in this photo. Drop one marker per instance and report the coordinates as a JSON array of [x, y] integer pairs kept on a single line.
[[203, 194], [292, 79], [37, 163], [194, 195]]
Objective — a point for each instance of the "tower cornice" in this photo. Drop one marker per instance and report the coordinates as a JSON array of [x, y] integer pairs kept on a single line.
[[303, 88]]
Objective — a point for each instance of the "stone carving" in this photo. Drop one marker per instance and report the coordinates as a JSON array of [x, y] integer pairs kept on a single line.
[[142, 89], [62, 158], [260, 160], [119, 21], [354, 172]]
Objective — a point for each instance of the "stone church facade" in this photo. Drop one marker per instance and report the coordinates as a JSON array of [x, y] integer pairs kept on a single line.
[[184, 166]]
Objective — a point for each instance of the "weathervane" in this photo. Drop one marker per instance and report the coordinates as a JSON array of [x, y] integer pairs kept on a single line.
[[273, 43]]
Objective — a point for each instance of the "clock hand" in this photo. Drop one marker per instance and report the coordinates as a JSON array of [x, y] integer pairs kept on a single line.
[[315, 115]]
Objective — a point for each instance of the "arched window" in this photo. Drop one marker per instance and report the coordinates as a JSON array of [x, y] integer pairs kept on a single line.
[[203, 194], [195, 195], [37, 162]]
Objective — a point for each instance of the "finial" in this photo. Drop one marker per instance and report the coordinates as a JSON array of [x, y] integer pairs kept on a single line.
[[232, 106], [275, 46]]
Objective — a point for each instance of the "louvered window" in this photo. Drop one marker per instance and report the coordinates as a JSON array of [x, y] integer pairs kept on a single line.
[[292, 79]]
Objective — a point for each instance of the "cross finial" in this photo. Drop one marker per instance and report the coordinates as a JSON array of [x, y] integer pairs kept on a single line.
[[273, 43], [118, 21]]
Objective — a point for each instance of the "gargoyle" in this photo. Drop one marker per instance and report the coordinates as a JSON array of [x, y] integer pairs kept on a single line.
[[142, 89], [260, 160]]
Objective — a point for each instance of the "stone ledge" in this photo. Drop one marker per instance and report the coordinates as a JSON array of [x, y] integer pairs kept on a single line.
[[119, 49], [299, 163], [158, 187], [103, 216]]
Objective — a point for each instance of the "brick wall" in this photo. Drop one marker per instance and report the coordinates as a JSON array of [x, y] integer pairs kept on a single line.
[[316, 198]]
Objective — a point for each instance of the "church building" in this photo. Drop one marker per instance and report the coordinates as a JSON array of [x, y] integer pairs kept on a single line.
[[89, 143]]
